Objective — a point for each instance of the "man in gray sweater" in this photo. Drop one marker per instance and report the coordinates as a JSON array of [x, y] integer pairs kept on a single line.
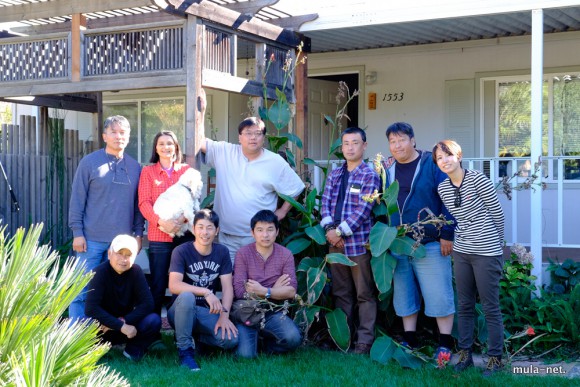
[[104, 201]]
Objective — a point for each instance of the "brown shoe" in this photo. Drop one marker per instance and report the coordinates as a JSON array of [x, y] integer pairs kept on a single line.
[[362, 349]]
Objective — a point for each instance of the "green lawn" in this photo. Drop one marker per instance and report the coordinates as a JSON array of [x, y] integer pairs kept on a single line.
[[308, 366]]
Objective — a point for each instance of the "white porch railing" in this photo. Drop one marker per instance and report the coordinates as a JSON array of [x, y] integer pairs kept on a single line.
[[560, 201]]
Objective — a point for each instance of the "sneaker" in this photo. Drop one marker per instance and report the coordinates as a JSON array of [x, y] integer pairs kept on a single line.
[[133, 355], [362, 349], [187, 359], [493, 365], [442, 356], [465, 360]]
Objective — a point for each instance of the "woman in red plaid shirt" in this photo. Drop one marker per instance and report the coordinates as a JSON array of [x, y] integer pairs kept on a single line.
[[155, 179]]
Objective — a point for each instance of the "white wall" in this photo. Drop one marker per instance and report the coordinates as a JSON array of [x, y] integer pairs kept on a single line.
[[420, 73]]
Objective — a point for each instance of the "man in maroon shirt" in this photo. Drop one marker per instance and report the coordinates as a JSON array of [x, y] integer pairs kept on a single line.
[[266, 269]]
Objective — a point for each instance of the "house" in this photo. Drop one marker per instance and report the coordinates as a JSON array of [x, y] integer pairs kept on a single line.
[[468, 70]]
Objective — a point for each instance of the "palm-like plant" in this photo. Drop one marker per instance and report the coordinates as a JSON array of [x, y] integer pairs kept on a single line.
[[37, 347]]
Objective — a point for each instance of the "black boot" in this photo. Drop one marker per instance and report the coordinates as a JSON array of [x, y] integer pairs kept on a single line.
[[465, 360], [493, 365]]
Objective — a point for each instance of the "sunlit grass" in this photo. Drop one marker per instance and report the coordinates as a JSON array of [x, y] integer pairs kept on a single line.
[[309, 366]]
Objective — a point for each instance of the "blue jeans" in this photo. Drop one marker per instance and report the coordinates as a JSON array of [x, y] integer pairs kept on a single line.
[[95, 255], [280, 334], [147, 332], [430, 277], [159, 259], [187, 318]]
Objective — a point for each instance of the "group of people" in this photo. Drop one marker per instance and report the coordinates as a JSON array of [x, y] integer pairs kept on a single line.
[[112, 197]]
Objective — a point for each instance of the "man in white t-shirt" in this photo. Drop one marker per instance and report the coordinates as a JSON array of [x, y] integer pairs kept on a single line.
[[248, 179]]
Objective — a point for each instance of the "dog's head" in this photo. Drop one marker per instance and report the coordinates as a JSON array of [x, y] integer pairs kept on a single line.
[[192, 180]]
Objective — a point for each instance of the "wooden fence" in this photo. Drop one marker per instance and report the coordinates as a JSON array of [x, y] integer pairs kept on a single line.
[[40, 166]]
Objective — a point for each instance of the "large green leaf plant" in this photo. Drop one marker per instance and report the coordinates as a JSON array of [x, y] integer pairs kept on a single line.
[[37, 347]]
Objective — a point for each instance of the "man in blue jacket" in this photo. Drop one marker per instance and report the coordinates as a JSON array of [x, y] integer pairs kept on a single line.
[[431, 276]]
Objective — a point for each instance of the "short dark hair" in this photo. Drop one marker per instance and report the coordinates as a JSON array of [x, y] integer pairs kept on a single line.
[[178, 155], [355, 129], [400, 128], [449, 147], [206, 213], [265, 216], [251, 121], [120, 120]]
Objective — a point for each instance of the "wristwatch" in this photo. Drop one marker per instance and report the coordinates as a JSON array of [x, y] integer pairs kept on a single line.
[[268, 293], [338, 232]]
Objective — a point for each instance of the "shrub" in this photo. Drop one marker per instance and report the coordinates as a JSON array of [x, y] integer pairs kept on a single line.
[[37, 347]]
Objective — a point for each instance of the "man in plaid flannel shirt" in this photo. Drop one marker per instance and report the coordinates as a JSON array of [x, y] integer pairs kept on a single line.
[[346, 218]]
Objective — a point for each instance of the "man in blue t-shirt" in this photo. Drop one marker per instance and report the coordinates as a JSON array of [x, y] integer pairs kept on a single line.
[[193, 272]]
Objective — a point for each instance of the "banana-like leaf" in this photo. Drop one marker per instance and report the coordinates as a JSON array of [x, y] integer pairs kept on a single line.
[[279, 114], [383, 349], [383, 268], [339, 258], [335, 145], [381, 237], [294, 203], [405, 246], [316, 233], [290, 158], [309, 262], [207, 200], [380, 209], [338, 329], [294, 138], [298, 245], [390, 198], [311, 200], [406, 359], [316, 280]]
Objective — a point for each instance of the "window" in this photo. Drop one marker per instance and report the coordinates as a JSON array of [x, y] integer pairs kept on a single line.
[[147, 118], [561, 121]]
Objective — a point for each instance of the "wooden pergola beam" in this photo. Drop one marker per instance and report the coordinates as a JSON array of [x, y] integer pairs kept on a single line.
[[293, 22], [125, 20], [250, 7], [234, 20], [56, 8], [66, 102]]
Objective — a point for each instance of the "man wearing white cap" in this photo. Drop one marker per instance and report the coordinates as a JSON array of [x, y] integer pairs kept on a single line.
[[120, 300]]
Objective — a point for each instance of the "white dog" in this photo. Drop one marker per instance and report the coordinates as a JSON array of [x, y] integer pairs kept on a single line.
[[182, 198]]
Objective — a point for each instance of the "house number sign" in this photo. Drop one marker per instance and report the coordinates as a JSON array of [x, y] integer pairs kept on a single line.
[[393, 97]]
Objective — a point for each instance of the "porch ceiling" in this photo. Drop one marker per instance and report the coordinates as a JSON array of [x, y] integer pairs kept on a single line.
[[441, 30], [55, 15]]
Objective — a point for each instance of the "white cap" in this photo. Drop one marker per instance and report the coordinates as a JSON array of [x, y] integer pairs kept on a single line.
[[125, 242]]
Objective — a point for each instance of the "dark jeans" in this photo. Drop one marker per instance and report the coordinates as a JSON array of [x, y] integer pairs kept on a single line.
[[355, 285], [280, 334], [159, 259], [147, 332], [478, 273]]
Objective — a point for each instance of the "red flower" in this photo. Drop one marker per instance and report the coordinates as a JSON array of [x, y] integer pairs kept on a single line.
[[443, 358], [530, 331]]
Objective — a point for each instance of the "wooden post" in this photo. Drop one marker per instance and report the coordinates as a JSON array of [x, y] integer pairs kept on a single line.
[[193, 52], [301, 90], [79, 22]]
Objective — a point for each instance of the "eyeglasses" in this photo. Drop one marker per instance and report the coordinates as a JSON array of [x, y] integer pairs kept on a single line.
[[253, 134], [457, 202], [120, 173]]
